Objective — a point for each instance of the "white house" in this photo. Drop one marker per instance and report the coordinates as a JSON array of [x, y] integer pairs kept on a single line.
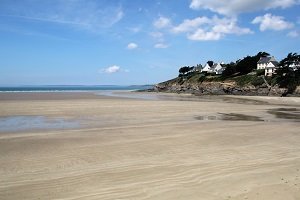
[[217, 68], [264, 61], [270, 68], [207, 68], [269, 64]]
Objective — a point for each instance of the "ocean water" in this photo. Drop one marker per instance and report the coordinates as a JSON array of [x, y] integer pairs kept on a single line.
[[71, 88]]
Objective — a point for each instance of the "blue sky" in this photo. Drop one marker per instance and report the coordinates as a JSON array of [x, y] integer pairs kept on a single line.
[[124, 42]]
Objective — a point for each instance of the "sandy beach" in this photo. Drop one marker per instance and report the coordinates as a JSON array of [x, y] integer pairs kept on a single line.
[[215, 148]]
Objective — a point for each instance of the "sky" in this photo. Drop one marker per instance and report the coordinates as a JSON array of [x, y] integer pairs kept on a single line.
[[130, 42]]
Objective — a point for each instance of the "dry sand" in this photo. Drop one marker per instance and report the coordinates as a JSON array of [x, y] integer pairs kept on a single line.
[[143, 149]]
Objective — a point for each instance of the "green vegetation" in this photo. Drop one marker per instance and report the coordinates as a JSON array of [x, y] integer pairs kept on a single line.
[[285, 75], [244, 72], [260, 72], [244, 79], [244, 65]]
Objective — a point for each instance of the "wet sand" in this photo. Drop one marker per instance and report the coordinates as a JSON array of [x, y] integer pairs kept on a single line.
[[151, 149]]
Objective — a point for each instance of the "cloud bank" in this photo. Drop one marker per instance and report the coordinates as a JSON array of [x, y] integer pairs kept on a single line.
[[204, 28], [235, 7], [272, 22]]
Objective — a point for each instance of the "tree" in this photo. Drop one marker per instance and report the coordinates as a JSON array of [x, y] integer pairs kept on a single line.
[[286, 76], [246, 65], [210, 63], [184, 70], [249, 63], [230, 69], [292, 58], [262, 54]]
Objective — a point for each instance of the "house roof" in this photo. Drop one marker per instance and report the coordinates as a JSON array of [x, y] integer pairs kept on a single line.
[[214, 65], [265, 60], [206, 67], [275, 64]]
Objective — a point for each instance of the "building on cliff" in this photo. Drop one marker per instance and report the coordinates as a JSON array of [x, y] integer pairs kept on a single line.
[[216, 68], [269, 64], [207, 68]]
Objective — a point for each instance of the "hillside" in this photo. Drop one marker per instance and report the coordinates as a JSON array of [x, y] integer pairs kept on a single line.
[[259, 75], [249, 84]]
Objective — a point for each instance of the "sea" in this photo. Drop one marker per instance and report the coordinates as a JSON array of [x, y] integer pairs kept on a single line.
[[72, 88]]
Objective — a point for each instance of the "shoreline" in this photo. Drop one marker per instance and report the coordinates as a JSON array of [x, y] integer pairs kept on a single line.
[[141, 95]]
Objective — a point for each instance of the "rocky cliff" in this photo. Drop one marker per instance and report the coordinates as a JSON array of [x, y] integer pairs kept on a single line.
[[227, 87]]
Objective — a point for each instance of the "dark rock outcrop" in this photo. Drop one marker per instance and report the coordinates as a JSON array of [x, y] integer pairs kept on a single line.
[[220, 88]]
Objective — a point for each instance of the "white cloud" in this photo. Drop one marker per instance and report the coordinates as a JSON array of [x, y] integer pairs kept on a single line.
[[215, 28], [132, 46], [162, 22], [228, 26], [190, 24], [272, 22], [111, 69], [202, 35], [234, 7], [161, 46], [293, 34]]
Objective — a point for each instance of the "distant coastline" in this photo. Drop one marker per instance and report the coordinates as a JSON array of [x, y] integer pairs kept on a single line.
[[71, 88]]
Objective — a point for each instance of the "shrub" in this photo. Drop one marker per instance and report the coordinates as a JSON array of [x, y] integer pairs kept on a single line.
[[244, 79], [257, 81], [229, 70], [201, 78], [260, 72]]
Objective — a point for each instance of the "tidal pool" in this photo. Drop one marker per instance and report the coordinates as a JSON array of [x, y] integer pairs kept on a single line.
[[230, 117], [25, 123], [286, 113]]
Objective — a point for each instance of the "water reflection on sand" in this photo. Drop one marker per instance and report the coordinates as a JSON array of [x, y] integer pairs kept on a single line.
[[24, 123], [179, 97]]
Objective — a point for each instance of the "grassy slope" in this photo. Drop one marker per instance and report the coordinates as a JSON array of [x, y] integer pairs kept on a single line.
[[197, 78]]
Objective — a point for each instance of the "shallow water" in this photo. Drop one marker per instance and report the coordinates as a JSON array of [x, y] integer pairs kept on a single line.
[[129, 94], [286, 113], [230, 117], [23, 123], [179, 97], [278, 114]]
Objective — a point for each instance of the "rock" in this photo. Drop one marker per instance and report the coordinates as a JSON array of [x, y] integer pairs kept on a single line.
[[297, 91], [276, 91], [220, 88]]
